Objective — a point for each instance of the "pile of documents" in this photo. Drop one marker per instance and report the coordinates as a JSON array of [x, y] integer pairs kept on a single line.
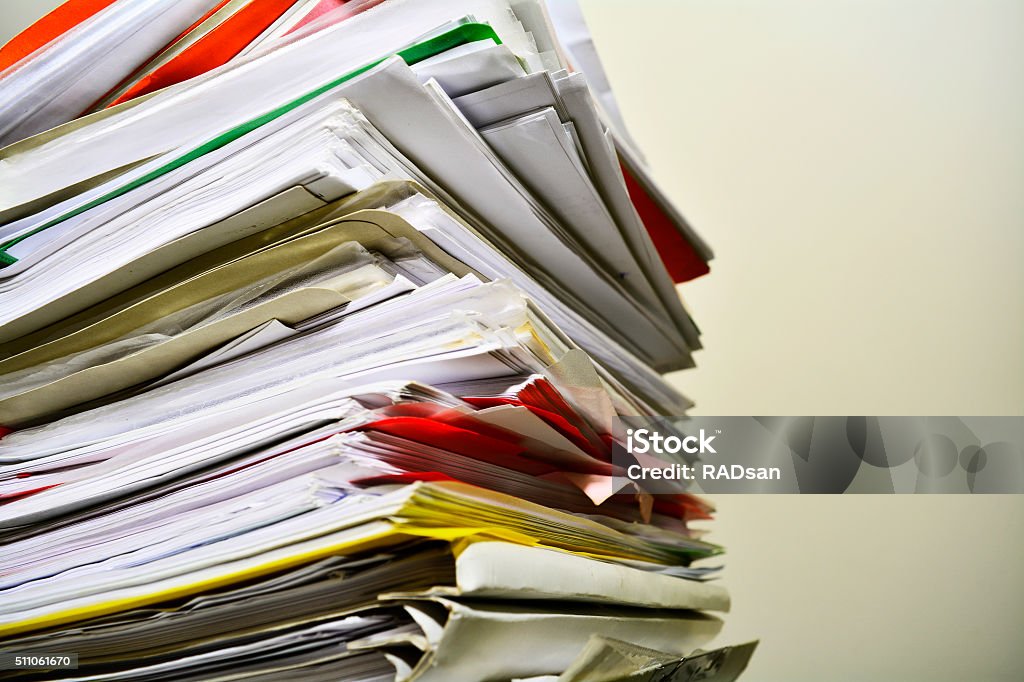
[[318, 323]]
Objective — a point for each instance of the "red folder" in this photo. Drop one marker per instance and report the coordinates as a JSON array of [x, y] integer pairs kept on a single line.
[[486, 448], [681, 260], [214, 49]]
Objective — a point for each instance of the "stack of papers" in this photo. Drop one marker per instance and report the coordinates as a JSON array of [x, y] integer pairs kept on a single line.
[[317, 324]]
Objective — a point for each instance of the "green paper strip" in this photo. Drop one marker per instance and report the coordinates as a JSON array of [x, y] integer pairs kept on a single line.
[[460, 35]]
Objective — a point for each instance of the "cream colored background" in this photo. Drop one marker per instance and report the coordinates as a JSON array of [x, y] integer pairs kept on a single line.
[[858, 166]]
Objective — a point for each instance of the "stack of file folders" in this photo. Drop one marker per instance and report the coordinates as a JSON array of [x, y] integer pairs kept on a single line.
[[318, 323]]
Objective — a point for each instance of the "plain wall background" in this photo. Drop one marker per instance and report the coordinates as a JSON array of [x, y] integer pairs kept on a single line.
[[15, 15], [858, 167]]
